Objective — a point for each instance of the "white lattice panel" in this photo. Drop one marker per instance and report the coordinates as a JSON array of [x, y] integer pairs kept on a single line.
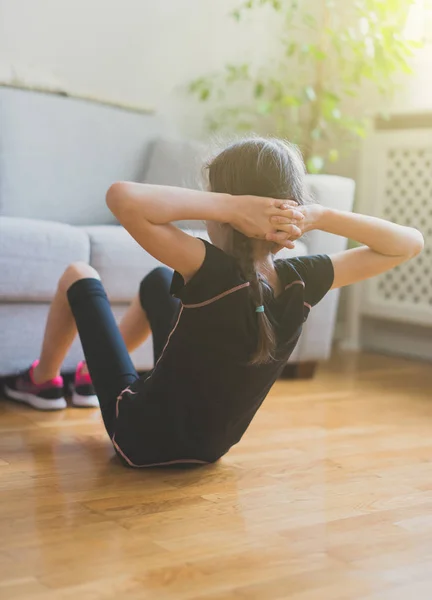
[[398, 170]]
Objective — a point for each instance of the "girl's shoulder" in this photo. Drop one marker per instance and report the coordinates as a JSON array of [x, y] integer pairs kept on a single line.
[[314, 273], [218, 274]]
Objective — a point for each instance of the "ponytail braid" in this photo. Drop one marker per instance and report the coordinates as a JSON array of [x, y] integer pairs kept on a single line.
[[242, 250]]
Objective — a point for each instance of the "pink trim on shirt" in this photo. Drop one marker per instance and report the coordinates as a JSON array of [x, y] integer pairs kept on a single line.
[[231, 291], [307, 305], [169, 337], [161, 464], [298, 281], [120, 397]]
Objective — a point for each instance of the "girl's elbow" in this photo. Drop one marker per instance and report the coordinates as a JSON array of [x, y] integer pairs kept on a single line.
[[417, 243], [115, 195]]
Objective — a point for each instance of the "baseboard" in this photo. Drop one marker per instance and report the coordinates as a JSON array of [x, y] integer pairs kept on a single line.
[[350, 344], [400, 339], [339, 331]]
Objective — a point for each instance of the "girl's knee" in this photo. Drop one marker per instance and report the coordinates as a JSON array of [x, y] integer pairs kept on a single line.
[[75, 272], [159, 277]]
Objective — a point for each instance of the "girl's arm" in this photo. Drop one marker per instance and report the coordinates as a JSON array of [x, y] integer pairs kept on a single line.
[[146, 212], [386, 244]]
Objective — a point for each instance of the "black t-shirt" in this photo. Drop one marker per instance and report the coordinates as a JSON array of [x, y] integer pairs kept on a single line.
[[203, 393]]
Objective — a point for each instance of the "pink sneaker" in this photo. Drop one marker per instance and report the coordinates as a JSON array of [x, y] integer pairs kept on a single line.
[[83, 394], [43, 396]]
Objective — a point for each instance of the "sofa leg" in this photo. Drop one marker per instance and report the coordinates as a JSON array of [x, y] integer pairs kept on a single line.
[[302, 370]]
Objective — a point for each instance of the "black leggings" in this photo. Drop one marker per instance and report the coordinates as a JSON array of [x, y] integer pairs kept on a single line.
[[108, 360]]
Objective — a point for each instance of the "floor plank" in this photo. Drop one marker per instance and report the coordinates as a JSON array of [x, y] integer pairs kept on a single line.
[[328, 497]]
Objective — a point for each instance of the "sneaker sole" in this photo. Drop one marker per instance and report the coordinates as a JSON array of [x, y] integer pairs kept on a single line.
[[84, 401], [35, 401]]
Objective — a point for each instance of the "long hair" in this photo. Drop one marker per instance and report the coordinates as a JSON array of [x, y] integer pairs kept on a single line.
[[258, 167]]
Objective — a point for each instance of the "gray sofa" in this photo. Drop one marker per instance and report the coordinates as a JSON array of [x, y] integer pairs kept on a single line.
[[58, 156]]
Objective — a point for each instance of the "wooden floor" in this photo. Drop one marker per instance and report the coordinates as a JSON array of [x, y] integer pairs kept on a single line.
[[328, 497]]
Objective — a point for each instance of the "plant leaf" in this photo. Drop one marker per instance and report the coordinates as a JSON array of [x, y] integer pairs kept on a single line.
[[333, 155], [315, 164], [291, 48], [264, 108], [289, 100], [310, 93], [204, 94], [309, 20], [259, 89]]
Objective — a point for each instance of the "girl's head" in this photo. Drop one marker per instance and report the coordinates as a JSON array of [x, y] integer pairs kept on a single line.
[[256, 167]]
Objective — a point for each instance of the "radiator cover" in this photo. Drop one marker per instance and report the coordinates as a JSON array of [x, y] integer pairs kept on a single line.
[[396, 184]]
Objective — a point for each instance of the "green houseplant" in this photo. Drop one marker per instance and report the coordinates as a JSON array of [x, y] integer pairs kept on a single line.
[[330, 55]]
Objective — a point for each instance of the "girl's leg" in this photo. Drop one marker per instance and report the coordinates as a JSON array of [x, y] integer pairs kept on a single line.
[[161, 309], [134, 326], [107, 358], [151, 311], [60, 329]]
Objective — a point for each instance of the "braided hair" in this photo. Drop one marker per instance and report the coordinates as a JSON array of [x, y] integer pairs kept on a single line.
[[260, 167], [242, 249]]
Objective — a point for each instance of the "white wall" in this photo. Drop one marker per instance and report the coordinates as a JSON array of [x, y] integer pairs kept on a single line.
[[139, 52]]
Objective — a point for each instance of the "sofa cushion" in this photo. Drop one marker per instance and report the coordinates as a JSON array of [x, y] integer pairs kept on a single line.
[[58, 155], [178, 163], [175, 162], [119, 260], [34, 254], [122, 263]]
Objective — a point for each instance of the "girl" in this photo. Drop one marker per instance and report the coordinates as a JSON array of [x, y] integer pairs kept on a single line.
[[225, 324]]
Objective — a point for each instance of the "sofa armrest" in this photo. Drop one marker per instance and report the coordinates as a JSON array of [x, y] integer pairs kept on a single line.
[[334, 192], [317, 337]]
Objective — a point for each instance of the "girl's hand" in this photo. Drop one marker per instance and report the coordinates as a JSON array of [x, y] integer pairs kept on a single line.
[[255, 217], [285, 232]]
